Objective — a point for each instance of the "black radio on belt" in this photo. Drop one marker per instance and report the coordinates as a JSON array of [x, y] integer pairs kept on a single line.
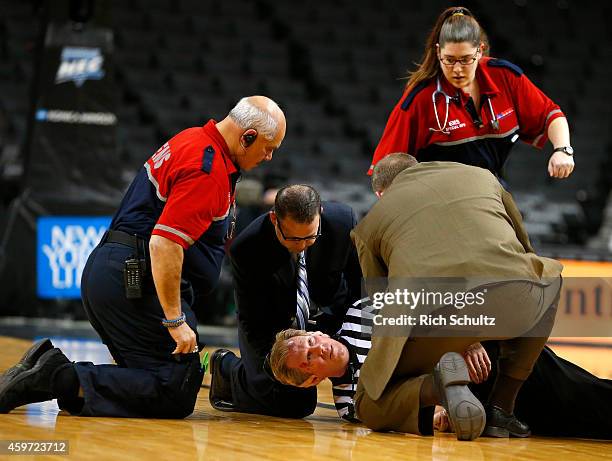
[[132, 278], [134, 272]]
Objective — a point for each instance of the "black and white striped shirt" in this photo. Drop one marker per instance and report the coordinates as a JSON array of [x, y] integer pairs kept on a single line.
[[355, 334]]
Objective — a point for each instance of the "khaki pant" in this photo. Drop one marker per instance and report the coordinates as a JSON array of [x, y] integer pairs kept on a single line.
[[534, 309]]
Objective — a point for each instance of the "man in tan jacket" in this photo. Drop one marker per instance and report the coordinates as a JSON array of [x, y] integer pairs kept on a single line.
[[433, 221]]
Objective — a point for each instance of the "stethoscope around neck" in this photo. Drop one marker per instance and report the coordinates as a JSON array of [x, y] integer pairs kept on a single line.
[[442, 127]]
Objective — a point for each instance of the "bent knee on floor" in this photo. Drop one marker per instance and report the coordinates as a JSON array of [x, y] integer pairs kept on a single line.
[[298, 410], [376, 423], [176, 408], [179, 404], [369, 414], [182, 411]]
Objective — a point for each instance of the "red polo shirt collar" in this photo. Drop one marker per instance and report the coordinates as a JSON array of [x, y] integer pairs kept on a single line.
[[210, 128], [486, 84]]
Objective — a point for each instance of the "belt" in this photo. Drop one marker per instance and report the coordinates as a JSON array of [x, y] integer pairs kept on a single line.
[[133, 241]]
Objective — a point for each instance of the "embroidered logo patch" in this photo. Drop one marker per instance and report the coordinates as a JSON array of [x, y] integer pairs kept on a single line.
[[505, 113], [455, 124]]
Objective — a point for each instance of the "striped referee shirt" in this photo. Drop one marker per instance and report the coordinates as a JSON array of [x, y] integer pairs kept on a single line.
[[355, 334]]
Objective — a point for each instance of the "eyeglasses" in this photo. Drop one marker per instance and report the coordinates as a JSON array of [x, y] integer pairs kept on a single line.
[[299, 239], [466, 61]]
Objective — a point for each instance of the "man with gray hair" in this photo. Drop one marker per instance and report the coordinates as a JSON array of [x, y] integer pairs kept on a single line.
[[165, 241]]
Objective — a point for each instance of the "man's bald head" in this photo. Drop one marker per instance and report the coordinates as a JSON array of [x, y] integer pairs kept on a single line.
[[259, 113]]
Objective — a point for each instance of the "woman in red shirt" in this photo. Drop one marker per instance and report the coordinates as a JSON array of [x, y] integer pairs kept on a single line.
[[462, 106]]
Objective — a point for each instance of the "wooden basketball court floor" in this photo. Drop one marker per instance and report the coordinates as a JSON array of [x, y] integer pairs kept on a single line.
[[212, 435]]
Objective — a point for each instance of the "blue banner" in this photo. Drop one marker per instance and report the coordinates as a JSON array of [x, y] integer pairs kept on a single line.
[[63, 246]]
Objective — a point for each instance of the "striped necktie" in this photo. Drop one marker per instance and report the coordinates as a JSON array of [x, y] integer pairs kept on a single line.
[[303, 300]]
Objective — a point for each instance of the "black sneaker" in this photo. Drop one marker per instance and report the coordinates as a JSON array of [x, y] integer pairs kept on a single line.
[[27, 361], [29, 358], [465, 412], [29, 385], [502, 424], [220, 394]]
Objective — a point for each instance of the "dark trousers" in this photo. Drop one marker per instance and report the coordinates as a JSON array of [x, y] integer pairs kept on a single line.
[[559, 399], [147, 380]]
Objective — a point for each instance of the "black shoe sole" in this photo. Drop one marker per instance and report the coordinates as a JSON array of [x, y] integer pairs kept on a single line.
[[222, 405], [36, 350], [465, 412], [219, 402], [28, 360]]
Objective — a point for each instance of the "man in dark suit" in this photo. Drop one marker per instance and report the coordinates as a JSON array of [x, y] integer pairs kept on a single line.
[[294, 266]]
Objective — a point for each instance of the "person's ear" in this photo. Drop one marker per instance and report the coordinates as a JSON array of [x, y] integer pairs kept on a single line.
[[272, 217], [248, 137]]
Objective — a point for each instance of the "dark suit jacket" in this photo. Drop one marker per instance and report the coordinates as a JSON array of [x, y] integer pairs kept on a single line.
[[265, 278]]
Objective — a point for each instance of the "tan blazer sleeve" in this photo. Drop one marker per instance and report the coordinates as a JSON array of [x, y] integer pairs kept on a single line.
[[384, 354], [371, 264], [517, 220]]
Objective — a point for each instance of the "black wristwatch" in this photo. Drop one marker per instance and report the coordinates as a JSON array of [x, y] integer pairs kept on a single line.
[[568, 150]]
